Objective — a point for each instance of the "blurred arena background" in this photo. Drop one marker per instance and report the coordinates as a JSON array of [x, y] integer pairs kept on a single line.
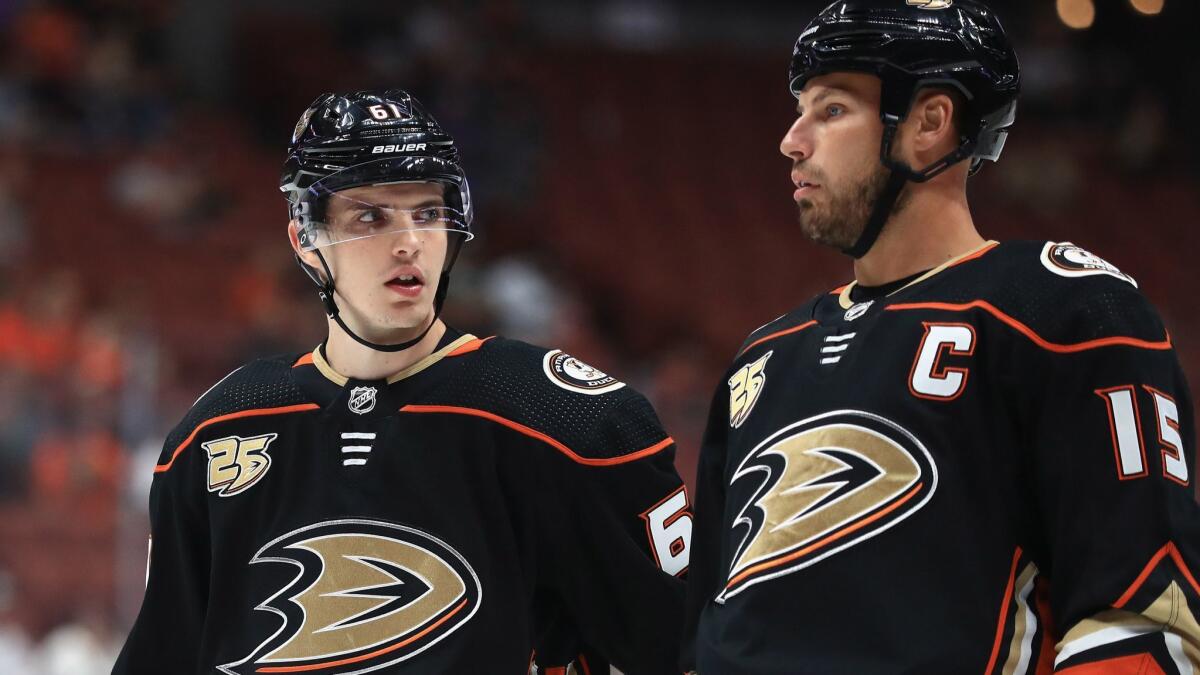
[[632, 205]]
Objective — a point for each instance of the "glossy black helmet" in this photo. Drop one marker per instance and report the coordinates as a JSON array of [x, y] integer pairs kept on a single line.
[[363, 138], [369, 137], [911, 44]]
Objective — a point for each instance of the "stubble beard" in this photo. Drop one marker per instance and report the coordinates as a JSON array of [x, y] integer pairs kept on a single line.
[[840, 221]]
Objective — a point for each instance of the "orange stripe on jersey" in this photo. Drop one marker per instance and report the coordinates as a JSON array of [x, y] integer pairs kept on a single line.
[[1134, 664], [533, 433], [850, 529], [584, 664], [1141, 578], [978, 254], [556, 670], [1029, 333], [1163, 552], [1008, 592], [364, 657], [306, 360], [1045, 663], [469, 347], [772, 336], [232, 416]]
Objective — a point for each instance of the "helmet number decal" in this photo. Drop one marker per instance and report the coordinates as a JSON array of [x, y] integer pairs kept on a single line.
[[387, 111]]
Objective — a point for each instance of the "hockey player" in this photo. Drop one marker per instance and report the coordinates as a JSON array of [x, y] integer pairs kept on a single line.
[[977, 457], [406, 498]]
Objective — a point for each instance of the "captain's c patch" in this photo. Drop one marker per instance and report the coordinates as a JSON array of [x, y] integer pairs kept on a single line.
[[744, 389], [236, 463]]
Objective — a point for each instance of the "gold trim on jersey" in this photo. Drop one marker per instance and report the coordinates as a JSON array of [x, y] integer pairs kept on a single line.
[[1169, 613], [1025, 624], [340, 380], [844, 296]]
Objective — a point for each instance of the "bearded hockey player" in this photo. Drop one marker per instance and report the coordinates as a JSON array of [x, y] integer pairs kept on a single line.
[[977, 457], [407, 498]]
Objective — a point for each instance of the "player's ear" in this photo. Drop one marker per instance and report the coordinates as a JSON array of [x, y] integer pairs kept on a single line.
[[932, 120], [308, 257]]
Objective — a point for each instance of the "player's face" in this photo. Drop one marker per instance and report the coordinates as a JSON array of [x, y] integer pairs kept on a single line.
[[386, 283], [834, 148]]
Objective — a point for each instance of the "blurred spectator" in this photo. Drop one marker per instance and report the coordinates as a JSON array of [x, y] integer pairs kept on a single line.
[[165, 190], [524, 302], [1143, 135], [87, 646], [14, 223], [16, 651]]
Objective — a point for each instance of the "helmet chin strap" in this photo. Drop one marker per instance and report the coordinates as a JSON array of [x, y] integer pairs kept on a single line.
[[899, 175], [326, 289]]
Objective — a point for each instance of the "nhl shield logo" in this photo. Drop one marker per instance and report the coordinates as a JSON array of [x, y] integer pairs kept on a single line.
[[858, 310], [362, 400]]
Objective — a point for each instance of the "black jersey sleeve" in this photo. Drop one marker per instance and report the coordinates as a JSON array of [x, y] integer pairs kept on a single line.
[[620, 538], [705, 576], [165, 637], [166, 634], [1113, 452]]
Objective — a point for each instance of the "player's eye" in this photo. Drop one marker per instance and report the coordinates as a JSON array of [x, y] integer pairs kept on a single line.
[[369, 216], [427, 215], [835, 110]]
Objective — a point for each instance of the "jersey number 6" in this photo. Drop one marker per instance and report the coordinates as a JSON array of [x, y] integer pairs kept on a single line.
[[669, 526]]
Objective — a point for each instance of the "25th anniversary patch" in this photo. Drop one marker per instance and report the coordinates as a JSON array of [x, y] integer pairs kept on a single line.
[[571, 374]]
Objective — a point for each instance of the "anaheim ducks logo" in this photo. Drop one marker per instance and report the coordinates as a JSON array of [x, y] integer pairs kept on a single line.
[[368, 595], [931, 4], [744, 388], [820, 486]]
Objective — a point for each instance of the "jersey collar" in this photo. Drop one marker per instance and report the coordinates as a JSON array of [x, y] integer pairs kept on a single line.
[[844, 293]]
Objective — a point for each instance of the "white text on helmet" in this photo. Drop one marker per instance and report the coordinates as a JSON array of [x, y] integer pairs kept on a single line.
[[409, 147]]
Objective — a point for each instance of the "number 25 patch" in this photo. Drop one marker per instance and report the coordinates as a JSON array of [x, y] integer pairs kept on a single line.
[[744, 389], [236, 463]]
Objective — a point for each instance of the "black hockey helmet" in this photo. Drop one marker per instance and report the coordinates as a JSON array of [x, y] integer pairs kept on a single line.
[[362, 138], [910, 45], [369, 137]]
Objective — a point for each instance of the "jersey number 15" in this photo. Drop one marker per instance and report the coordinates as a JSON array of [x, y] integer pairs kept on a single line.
[[1129, 446]]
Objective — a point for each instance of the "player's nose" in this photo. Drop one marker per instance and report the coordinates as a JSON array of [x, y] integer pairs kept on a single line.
[[406, 242], [797, 142]]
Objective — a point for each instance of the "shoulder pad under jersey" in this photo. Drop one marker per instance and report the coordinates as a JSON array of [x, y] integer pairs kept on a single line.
[[584, 412], [1059, 295], [260, 386]]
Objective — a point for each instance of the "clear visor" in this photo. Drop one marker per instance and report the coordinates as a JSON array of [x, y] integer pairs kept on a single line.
[[349, 219], [385, 196]]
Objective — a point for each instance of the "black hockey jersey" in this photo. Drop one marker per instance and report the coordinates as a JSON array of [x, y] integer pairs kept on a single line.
[[987, 470], [442, 521]]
